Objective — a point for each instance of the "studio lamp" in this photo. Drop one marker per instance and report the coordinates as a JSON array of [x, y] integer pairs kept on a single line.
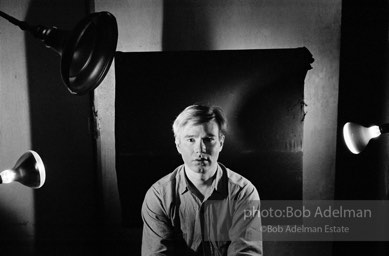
[[357, 136], [29, 170], [86, 52]]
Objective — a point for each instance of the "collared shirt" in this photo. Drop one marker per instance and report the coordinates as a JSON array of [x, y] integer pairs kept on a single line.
[[177, 221]]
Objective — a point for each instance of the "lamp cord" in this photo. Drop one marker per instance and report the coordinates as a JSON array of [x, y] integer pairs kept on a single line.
[[21, 24]]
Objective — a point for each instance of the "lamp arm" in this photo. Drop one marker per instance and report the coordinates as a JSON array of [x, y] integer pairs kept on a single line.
[[384, 128], [50, 36], [21, 24]]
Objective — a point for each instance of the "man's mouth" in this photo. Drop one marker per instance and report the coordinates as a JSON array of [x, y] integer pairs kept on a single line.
[[201, 160]]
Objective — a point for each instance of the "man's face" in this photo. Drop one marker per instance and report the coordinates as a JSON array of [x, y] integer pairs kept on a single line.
[[200, 145]]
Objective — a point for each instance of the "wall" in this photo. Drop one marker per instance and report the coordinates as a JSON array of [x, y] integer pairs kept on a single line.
[[234, 24], [38, 112], [144, 34], [16, 201], [67, 206], [363, 99]]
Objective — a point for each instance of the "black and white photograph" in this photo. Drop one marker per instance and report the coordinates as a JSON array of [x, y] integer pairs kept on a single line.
[[194, 127]]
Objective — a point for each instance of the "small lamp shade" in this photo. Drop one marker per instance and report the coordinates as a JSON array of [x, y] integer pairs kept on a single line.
[[357, 136], [29, 170]]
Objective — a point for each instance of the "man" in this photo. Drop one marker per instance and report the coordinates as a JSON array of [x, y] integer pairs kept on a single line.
[[201, 207]]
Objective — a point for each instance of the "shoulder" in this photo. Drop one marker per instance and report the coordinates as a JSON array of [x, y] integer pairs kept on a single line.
[[237, 179], [240, 186], [164, 185], [169, 179]]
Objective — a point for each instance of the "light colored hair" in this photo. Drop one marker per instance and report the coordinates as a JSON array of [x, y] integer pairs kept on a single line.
[[199, 114]]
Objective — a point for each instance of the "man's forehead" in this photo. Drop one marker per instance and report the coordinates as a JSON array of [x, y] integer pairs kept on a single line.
[[210, 128]]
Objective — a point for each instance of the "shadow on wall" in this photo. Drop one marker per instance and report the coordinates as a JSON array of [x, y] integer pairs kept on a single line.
[[66, 206]]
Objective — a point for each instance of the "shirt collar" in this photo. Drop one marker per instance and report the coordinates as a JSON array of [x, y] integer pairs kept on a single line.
[[220, 184], [181, 180]]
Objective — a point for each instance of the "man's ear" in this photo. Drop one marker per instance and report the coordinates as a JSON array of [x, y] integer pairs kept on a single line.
[[177, 145], [221, 142]]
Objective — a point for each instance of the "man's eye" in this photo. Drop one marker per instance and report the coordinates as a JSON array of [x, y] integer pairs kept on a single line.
[[190, 140], [209, 139]]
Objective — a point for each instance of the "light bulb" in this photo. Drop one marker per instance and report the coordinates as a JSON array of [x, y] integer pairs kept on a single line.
[[357, 136], [8, 176]]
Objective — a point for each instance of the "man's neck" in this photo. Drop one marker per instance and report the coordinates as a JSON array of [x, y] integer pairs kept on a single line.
[[200, 179]]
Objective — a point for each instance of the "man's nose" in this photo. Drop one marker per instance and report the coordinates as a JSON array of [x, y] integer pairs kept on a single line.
[[200, 147]]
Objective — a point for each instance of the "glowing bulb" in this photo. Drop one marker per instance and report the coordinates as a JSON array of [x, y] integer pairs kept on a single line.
[[8, 176], [357, 136]]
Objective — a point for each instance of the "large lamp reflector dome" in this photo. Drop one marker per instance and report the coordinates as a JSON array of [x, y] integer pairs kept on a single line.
[[86, 52]]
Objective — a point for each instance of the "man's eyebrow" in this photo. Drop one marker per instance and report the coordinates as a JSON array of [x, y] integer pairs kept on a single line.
[[192, 135]]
